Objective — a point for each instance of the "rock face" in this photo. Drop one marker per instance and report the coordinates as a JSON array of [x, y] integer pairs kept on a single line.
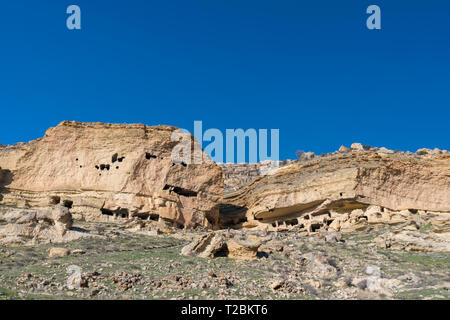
[[108, 171], [239, 175], [346, 192]]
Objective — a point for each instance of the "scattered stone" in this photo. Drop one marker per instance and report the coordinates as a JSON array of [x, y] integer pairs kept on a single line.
[[58, 252], [332, 236], [77, 251], [409, 240], [277, 284]]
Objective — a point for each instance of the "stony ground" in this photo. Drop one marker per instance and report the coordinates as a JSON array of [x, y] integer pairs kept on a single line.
[[126, 265]]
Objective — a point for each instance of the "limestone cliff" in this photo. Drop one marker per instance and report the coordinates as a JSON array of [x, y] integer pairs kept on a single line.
[[314, 193], [104, 171]]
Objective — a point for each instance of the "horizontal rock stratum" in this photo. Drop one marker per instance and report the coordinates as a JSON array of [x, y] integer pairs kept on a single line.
[[341, 189], [101, 171]]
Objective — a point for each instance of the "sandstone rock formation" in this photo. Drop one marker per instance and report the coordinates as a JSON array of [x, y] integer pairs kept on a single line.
[[433, 237], [345, 191], [25, 226], [215, 244], [206, 246], [58, 252], [108, 171], [239, 175], [243, 249]]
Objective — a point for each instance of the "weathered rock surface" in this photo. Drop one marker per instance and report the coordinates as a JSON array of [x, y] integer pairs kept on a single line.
[[243, 249], [22, 226], [58, 252], [347, 191], [415, 240], [206, 246], [215, 244], [239, 175], [108, 171]]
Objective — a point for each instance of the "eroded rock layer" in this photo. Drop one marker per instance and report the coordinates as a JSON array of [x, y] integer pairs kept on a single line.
[[239, 175], [105, 171], [329, 191]]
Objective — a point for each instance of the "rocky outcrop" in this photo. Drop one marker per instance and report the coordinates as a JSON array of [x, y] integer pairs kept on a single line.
[[21, 226], [216, 244], [346, 191], [206, 246], [103, 172], [430, 238]]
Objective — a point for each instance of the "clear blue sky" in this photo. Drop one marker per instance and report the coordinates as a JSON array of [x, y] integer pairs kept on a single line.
[[309, 68]]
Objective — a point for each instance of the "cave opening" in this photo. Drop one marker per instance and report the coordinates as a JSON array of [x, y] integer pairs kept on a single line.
[[181, 191], [292, 222], [106, 212], [182, 163], [123, 213], [149, 156], [68, 204], [154, 216], [55, 200], [105, 167]]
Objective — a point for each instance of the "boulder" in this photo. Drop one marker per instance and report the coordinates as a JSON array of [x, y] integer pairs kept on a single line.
[[58, 252], [272, 246], [357, 146], [206, 246], [318, 264], [344, 149], [26, 226], [243, 249], [332, 236]]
